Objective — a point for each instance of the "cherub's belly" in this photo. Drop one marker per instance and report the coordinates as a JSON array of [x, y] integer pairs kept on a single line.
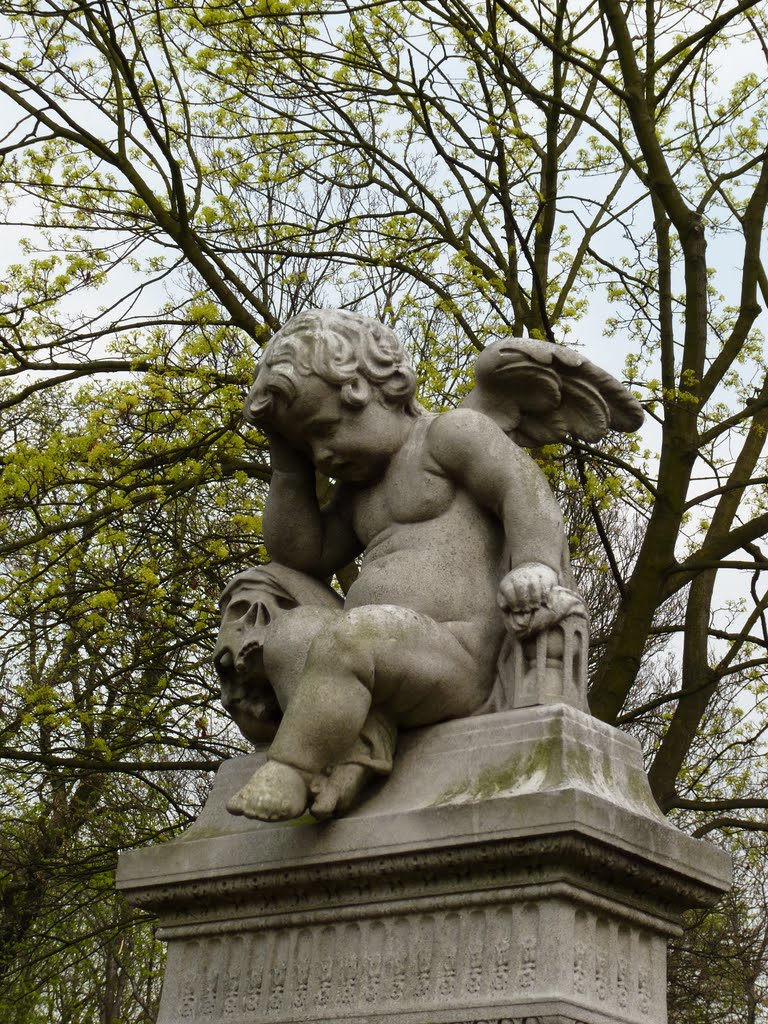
[[449, 583]]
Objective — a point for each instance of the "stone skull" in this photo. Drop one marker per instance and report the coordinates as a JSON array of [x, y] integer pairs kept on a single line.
[[250, 604], [247, 610]]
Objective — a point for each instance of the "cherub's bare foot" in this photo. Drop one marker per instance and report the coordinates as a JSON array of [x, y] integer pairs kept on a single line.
[[335, 793], [276, 792]]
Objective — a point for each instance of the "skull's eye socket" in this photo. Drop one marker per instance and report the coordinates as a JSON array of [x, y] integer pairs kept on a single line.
[[237, 609], [252, 613]]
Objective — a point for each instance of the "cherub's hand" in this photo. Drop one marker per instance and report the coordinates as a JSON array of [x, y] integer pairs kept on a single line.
[[524, 595], [285, 458]]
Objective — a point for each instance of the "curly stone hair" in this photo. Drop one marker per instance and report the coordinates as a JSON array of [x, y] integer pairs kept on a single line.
[[360, 355]]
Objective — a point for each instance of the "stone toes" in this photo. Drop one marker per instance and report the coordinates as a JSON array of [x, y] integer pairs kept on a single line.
[[325, 803], [245, 803], [236, 804], [277, 792]]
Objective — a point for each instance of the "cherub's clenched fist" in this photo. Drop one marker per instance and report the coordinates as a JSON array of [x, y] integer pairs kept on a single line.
[[524, 595]]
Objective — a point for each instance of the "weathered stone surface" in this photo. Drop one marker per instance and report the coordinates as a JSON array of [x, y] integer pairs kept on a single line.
[[462, 546], [513, 867]]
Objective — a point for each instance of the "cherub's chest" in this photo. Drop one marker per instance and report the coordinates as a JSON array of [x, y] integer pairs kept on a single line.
[[409, 493]]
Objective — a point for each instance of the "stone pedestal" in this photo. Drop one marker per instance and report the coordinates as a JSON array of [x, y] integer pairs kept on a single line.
[[513, 868]]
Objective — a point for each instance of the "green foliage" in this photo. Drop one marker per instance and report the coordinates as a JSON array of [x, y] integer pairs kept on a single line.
[[177, 180], [718, 966]]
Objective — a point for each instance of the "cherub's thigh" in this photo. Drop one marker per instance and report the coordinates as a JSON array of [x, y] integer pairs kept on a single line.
[[421, 673], [288, 642]]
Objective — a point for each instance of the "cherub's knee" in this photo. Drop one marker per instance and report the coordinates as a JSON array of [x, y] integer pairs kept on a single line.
[[346, 645]]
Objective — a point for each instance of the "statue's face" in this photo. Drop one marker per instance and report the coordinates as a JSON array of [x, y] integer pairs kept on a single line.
[[247, 610], [351, 444]]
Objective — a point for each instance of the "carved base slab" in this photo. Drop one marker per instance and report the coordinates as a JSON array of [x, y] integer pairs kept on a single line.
[[514, 869], [523, 957]]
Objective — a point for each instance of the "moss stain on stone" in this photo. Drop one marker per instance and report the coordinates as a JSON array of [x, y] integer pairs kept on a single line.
[[543, 759], [580, 762], [640, 792]]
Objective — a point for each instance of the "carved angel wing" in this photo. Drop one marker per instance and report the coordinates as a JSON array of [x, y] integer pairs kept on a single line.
[[538, 392]]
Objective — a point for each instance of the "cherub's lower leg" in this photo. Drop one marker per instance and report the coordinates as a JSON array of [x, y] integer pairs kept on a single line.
[[370, 755], [321, 723]]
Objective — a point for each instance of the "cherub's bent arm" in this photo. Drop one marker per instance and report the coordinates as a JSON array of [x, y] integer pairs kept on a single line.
[[297, 532], [474, 452]]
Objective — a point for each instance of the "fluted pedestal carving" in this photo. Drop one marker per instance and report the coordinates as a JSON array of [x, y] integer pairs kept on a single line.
[[513, 868]]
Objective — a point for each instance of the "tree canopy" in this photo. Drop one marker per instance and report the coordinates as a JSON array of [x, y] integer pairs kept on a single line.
[[176, 181]]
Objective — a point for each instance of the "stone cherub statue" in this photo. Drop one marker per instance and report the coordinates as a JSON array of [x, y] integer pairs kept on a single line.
[[459, 533]]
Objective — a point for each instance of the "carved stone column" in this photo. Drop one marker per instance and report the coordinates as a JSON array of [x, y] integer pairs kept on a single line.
[[513, 868]]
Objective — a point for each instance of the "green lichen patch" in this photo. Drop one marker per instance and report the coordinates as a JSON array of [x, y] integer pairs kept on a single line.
[[539, 763]]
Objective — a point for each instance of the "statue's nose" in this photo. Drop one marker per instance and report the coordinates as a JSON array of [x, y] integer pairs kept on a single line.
[[224, 661]]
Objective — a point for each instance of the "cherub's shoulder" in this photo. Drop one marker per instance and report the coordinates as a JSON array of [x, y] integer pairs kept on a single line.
[[464, 441], [461, 438], [459, 426]]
